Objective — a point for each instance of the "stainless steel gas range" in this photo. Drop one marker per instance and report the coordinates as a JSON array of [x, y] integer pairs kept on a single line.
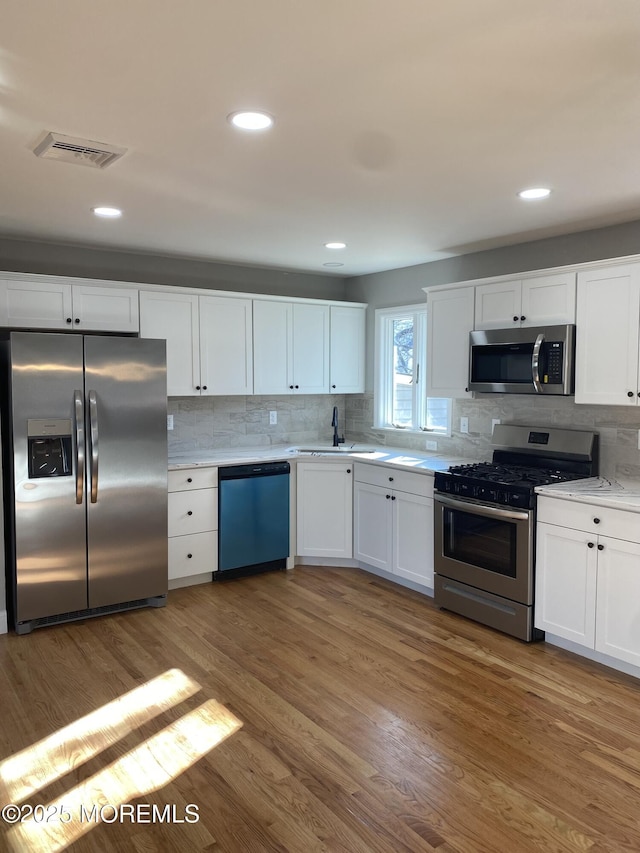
[[485, 523]]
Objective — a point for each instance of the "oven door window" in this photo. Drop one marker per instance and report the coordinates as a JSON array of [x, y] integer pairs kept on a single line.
[[488, 543]]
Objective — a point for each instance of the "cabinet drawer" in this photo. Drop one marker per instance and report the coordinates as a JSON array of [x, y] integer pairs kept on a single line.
[[391, 478], [193, 512], [580, 516], [192, 478], [193, 554]]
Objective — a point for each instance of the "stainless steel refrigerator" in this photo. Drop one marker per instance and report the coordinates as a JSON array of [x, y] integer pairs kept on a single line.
[[85, 458]]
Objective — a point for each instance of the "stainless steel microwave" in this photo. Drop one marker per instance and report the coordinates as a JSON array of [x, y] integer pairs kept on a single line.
[[536, 360]]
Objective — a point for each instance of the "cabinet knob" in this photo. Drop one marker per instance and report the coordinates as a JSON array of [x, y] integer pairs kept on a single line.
[[523, 317], [296, 386], [189, 480], [76, 321], [68, 319], [197, 387], [189, 512], [189, 556], [590, 544], [333, 386], [291, 386], [388, 497], [467, 390], [515, 319], [596, 521], [600, 547], [629, 393], [393, 497], [348, 470], [204, 387], [391, 479]]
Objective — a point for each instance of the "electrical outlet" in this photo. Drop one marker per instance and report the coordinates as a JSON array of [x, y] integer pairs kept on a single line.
[[169, 421], [273, 417], [431, 445], [494, 421], [464, 425]]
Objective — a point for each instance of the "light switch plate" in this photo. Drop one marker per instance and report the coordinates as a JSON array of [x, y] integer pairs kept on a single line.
[[431, 445], [464, 425], [273, 417], [169, 421]]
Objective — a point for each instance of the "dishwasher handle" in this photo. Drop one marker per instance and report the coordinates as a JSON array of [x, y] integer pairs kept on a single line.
[[259, 469]]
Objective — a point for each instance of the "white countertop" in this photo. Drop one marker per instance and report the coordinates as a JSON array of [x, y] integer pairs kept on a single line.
[[619, 494], [396, 457]]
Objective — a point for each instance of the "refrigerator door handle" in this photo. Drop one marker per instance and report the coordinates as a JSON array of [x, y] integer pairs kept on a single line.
[[80, 448], [93, 425]]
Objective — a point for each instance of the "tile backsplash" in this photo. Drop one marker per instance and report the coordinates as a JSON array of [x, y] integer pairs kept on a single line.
[[206, 423], [617, 426]]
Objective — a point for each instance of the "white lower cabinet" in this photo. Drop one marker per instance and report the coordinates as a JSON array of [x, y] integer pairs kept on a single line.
[[588, 576], [193, 522], [393, 522], [324, 509]]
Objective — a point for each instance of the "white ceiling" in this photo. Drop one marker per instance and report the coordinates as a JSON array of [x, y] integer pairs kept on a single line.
[[404, 128]]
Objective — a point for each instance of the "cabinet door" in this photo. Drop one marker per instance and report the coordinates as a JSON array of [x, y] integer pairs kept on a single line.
[[310, 348], [549, 300], [174, 317], [413, 537], [449, 321], [566, 583], [272, 347], [226, 345], [35, 304], [618, 602], [372, 521], [105, 309], [498, 305], [346, 359], [607, 312], [324, 509]]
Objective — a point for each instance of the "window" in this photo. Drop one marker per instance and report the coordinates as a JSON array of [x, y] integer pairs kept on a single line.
[[401, 399]]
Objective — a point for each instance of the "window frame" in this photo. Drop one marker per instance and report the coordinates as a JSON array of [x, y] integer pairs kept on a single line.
[[384, 372]]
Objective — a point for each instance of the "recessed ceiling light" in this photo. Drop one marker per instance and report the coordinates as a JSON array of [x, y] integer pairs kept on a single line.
[[250, 120], [332, 265], [335, 245], [535, 192], [109, 212]]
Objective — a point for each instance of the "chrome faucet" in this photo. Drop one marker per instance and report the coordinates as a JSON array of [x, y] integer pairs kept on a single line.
[[334, 423]]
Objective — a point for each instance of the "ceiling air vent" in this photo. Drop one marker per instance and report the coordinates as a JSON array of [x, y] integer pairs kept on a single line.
[[82, 152]]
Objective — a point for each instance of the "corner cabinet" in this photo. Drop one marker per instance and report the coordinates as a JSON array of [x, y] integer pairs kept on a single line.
[[393, 522], [450, 315], [588, 576], [542, 301], [209, 341], [324, 509], [50, 302], [607, 339]]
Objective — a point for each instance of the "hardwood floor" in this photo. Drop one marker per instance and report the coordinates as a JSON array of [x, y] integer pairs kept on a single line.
[[312, 710]]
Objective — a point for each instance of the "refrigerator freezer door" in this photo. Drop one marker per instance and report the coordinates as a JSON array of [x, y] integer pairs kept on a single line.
[[50, 541], [126, 464]]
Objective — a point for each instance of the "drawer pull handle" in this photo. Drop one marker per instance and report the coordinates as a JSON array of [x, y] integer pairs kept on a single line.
[[189, 512]]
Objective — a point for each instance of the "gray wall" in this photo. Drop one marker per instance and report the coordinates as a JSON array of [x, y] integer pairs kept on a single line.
[[404, 286], [86, 262]]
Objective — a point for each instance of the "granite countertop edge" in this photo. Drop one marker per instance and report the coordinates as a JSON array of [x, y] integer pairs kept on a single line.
[[399, 458], [598, 491]]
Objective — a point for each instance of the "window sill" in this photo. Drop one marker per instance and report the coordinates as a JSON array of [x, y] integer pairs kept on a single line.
[[426, 433]]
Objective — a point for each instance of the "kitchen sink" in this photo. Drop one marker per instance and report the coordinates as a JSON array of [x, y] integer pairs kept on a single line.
[[326, 451]]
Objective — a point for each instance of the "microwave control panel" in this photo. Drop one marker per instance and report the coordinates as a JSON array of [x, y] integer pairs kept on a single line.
[[555, 356]]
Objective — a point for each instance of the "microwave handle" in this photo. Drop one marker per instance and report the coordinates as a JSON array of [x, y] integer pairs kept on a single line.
[[535, 363]]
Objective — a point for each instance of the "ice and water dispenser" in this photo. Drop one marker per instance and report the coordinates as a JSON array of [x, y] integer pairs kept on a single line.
[[49, 447]]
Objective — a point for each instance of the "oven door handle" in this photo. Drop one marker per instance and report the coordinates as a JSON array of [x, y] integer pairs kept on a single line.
[[483, 509], [535, 364]]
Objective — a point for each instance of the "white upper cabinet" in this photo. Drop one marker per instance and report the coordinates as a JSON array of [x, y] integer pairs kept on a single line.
[[226, 345], [541, 301], [58, 303], [347, 349], [209, 341], [290, 347], [607, 354], [174, 317], [449, 321]]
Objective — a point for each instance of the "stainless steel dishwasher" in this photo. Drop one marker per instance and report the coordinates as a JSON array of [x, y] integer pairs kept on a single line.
[[253, 518]]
